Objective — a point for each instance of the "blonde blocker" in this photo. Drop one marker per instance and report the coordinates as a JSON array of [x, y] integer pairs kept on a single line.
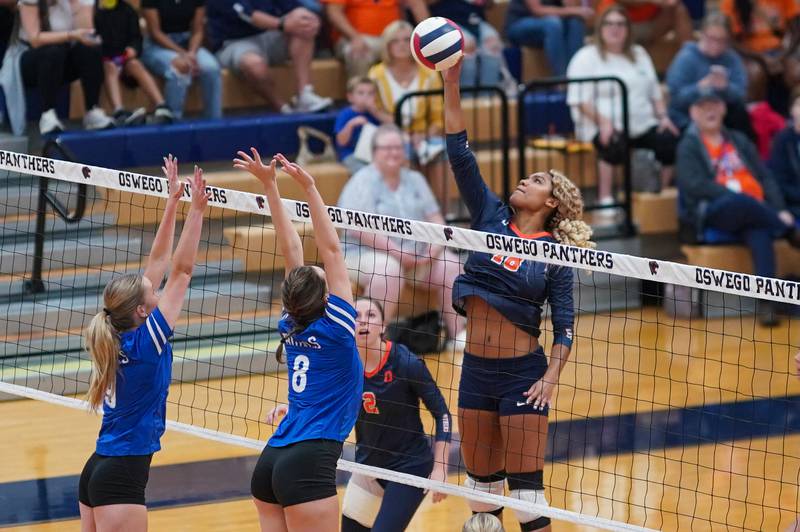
[[566, 222], [120, 299]]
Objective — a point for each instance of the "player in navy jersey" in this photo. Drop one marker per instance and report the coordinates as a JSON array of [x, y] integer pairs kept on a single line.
[[506, 381], [129, 345], [294, 481], [389, 431]]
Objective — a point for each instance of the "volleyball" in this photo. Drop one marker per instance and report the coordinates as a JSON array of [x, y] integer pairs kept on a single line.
[[437, 43]]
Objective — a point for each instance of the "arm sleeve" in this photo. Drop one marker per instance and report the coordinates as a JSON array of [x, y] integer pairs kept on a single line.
[[692, 172], [480, 201], [579, 67], [737, 78], [342, 315], [341, 119], [650, 71], [682, 82], [772, 192], [562, 310], [152, 336], [425, 387]]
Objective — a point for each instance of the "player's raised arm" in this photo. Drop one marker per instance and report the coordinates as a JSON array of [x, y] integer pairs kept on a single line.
[[289, 243], [326, 237], [161, 252], [185, 253]]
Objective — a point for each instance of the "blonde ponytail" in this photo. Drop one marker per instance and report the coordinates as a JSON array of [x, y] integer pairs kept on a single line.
[[566, 222], [120, 299]]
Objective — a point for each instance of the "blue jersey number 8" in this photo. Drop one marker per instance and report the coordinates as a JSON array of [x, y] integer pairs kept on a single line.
[[299, 376]]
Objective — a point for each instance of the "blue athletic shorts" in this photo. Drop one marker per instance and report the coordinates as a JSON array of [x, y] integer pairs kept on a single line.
[[497, 384]]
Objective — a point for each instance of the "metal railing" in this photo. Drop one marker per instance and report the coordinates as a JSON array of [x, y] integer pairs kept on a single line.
[[55, 149], [555, 86]]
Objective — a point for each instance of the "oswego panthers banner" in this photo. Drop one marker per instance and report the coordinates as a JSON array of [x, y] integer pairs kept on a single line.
[[456, 237]]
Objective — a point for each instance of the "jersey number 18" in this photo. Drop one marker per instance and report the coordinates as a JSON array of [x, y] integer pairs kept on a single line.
[[299, 377]]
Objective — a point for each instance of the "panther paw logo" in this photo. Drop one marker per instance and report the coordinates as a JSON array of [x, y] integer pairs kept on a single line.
[[260, 201], [87, 172], [653, 267], [448, 233]]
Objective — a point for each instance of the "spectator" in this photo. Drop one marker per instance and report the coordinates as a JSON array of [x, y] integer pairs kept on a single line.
[[725, 186], [597, 108], [399, 74], [549, 24], [362, 94], [651, 21], [358, 25], [784, 161], [381, 265], [117, 25], [250, 36], [174, 52], [63, 48], [710, 63], [479, 37], [761, 28]]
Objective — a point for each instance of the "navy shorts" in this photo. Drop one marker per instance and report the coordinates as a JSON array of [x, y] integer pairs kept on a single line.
[[497, 384]]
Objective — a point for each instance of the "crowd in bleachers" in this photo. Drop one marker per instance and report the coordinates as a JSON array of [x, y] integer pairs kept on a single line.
[[722, 103]]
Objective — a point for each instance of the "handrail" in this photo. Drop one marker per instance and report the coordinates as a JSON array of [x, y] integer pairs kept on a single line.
[[504, 132], [628, 227], [55, 149]]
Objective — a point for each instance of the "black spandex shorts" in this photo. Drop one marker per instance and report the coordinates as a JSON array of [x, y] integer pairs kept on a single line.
[[114, 480], [301, 472]]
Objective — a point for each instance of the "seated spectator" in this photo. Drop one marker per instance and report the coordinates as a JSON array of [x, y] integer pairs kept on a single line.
[[250, 36], [381, 265], [784, 160], [549, 24], [597, 107], [480, 37], [399, 74], [62, 48], [709, 63], [362, 94], [651, 21], [117, 25], [174, 51], [8, 12], [725, 186], [770, 30], [358, 25]]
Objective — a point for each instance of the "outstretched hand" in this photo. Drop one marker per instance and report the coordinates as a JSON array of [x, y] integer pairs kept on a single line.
[[453, 74], [303, 178], [200, 195], [254, 165], [276, 413], [170, 170]]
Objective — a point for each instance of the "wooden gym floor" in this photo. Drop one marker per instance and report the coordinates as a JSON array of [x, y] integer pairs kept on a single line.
[[670, 424]]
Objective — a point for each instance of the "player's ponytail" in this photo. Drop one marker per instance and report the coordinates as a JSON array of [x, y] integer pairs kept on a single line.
[[303, 297], [120, 299], [566, 222]]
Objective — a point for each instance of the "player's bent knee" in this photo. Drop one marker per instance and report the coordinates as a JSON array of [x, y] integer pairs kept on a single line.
[[493, 484], [529, 487], [362, 500]]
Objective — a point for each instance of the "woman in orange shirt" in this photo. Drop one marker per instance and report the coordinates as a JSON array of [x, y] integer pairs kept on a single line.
[[769, 30]]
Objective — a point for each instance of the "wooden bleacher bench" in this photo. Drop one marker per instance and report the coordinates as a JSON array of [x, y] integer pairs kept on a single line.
[[138, 209], [737, 258], [656, 213]]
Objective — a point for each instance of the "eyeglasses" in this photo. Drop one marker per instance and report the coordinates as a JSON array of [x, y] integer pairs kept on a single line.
[[403, 38], [715, 39], [390, 147], [614, 23]]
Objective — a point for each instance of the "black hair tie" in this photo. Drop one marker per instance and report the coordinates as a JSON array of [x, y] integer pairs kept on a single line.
[[108, 312]]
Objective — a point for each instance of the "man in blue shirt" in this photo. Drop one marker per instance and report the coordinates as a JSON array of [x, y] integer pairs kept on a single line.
[[250, 36]]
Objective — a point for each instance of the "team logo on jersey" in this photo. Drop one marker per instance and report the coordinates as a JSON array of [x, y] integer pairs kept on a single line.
[[260, 201], [448, 233], [388, 376], [123, 358]]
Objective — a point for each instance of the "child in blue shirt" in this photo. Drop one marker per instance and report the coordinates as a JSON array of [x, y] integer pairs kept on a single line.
[[362, 94]]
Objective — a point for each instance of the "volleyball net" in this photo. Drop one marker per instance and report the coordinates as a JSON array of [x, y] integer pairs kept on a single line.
[[676, 410]]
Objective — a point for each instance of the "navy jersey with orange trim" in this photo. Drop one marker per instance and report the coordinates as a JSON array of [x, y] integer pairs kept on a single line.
[[389, 431], [516, 288]]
